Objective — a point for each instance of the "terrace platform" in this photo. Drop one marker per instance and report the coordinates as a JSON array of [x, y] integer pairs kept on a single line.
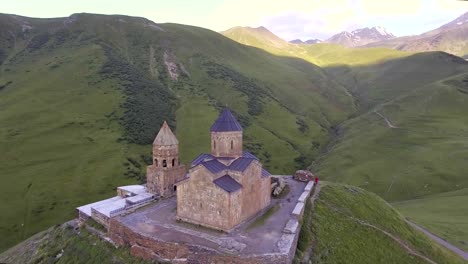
[[152, 232]]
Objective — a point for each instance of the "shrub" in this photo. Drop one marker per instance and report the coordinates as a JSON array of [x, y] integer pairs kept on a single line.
[[147, 102], [241, 83], [38, 41]]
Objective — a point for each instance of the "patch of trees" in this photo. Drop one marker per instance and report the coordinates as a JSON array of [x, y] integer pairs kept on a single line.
[[241, 83], [134, 170], [147, 102], [38, 41], [61, 36], [254, 148], [303, 126], [301, 162]]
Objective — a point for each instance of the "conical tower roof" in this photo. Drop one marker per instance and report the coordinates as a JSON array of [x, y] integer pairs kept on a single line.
[[226, 122], [165, 136]]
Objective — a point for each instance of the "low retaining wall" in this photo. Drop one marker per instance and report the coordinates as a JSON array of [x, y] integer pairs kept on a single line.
[[149, 248]]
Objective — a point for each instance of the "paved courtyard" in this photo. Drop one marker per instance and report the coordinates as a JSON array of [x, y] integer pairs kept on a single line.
[[261, 235]]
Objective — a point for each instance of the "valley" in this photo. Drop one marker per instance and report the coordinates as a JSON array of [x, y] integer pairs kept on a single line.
[[424, 152], [388, 121]]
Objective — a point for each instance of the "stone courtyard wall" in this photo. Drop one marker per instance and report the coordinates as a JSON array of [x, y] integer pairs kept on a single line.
[[149, 248]]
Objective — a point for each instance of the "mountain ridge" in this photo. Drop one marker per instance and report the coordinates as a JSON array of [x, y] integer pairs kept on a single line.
[[451, 37], [359, 37]]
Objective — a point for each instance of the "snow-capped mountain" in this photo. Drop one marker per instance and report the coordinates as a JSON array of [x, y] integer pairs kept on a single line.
[[460, 21], [451, 37], [361, 36]]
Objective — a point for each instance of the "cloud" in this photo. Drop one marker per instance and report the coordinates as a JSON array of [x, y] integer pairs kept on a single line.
[[390, 8], [450, 5], [326, 18], [254, 12]]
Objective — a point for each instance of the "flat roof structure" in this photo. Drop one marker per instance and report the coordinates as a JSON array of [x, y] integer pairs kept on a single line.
[[135, 189], [108, 206], [86, 209]]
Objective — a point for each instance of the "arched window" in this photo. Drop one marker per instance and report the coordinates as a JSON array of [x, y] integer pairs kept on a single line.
[[164, 163], [173, 162], [156, 162], [175, 188], [232, 144]]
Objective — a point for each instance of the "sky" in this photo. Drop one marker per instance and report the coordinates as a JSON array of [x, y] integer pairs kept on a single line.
[[289, 19]]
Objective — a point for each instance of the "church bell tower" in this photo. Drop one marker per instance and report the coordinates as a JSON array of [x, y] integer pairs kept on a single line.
[[166, 169], [226, 136]]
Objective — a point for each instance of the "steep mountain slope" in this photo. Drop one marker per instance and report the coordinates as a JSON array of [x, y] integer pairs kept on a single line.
[[360, 37], [82, 97], [408, 147], [322, 54], [408, 139], [351, 225], [444, 214], [67, 244], [451, 37], [255, 37]]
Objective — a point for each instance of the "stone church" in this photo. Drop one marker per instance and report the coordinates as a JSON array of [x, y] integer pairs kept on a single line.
[[221, 189]]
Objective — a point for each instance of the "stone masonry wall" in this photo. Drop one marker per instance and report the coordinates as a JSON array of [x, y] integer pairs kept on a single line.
[[199, 201], [153, 249], [162, 180], [226, 144], [255, 190]]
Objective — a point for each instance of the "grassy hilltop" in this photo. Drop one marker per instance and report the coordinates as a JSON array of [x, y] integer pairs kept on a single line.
[[348, 225], [351, 225]]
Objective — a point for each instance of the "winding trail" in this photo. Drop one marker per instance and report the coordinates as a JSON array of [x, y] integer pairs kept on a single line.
[[440, 241], [398, 240], [389, 124]]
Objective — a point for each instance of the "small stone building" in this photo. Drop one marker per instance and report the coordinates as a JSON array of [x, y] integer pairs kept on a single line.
[[226, 187], [166, 169]]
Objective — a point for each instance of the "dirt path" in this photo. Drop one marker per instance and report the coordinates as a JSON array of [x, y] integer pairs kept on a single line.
[[389, 124], [440, 241], [400, 241]]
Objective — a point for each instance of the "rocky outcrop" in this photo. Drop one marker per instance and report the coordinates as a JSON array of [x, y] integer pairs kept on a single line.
[[277, 185]]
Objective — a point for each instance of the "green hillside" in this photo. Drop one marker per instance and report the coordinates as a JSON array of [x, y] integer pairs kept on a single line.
[[423, 96], [82, 98], [65, 244], [351, 225], [425, 152], [322, 54], [444, 214]]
